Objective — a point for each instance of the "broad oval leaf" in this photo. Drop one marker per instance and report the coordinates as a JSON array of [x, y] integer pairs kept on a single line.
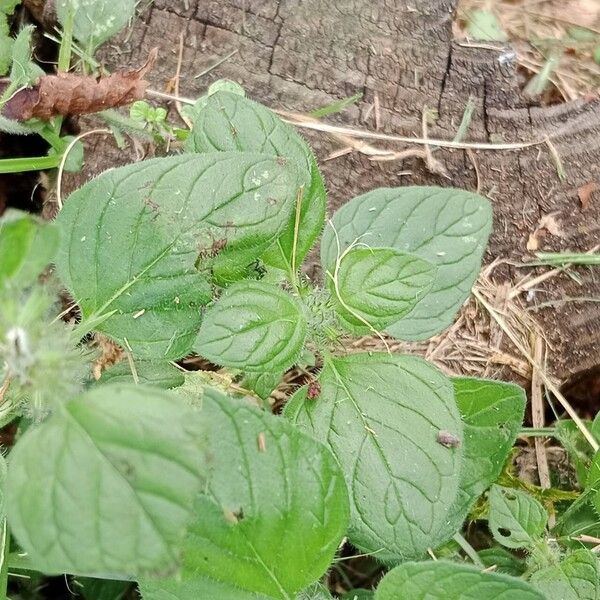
[[448, 227], [381, 415], [442, 580], [378, 286], [576, 577], [274, 509], [95, 21], [228, 121], [492, 414], [104, 487], [255, 327], [136, 238], [27, 246], [516, 519]]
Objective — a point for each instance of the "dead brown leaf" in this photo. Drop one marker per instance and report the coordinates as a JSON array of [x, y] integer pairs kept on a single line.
[[585, 194], [71, 94], [548, 223]]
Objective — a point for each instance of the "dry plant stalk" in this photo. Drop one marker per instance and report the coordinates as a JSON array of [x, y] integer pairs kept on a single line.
[[70, 94]]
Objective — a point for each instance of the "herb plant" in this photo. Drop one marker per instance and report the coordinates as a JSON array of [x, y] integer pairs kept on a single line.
[[188, 485]]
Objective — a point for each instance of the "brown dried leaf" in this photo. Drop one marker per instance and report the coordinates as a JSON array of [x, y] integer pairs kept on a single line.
[[547, 223], [70, 94], [585, 194]]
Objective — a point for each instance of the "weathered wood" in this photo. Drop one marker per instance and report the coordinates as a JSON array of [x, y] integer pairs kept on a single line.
[[302, 54]]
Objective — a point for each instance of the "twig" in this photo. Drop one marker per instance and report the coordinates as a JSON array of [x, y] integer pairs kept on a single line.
[[132, 368], [544, 378], [178, 105], [537, 417], [300, 120], [468, 550], [217, 64]]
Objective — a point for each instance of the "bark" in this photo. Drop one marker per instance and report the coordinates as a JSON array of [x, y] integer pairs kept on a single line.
[[303, 54]]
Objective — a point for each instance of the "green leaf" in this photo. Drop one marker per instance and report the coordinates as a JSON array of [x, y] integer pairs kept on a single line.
[[27, 246], [492, 413], [194, 588], [381, 415], [6, 46], [228, 121], [159, 374], [95, 21], [448, 227], [443, 580], [7, 7], [577, 447], [359, 594], [516, 519], [317, 591], [262, 384], [378, 286], [106, 486], [502, 561], [102, 589], [593, 474], [577, 577], [254, 327], [135, 240], [580, 518], [275, 506], [483, 25], [23, 72]]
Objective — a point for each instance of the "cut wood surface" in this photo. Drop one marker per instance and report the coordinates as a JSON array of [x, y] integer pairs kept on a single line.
[[299, 55]]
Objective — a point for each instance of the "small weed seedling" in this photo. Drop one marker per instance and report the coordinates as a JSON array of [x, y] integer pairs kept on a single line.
[[187, 484]]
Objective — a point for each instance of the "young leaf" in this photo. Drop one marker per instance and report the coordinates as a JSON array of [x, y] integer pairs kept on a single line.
[[446, 226], [577, 577], [515, 519], [27, 246], [228, 121], [135, 238], [106, 485], [254, 327], [492, 413], [159, 374], [382, 416], [443, 580], [378, 286], [274, 509], [262, 383], [502, 561], [95, 21]]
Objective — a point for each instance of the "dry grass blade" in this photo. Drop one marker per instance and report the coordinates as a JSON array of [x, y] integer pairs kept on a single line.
[[537, 417], [552, 387]]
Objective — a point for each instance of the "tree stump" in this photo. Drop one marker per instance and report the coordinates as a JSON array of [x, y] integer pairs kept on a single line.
[[303, 54]]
